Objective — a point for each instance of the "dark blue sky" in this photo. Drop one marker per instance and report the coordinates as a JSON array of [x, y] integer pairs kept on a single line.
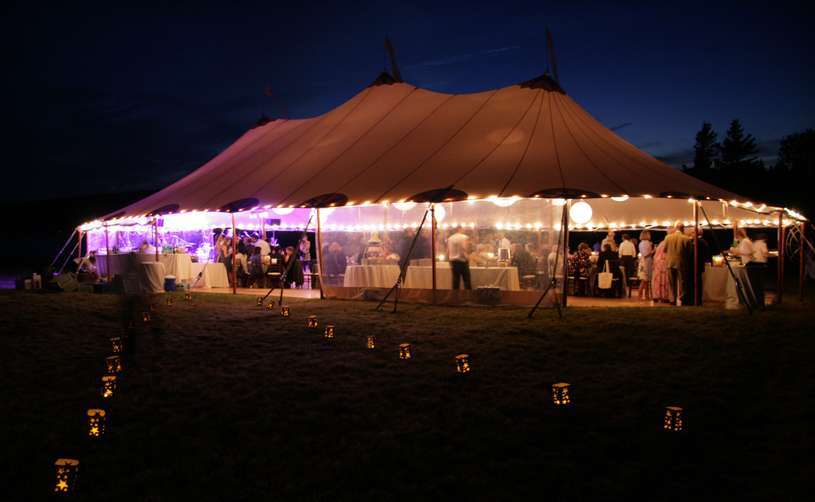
[[99, 97]]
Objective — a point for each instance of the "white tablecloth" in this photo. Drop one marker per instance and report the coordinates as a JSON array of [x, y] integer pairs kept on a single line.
[[752, 284], [214, 275], [505, 278], [714, 284], [151, 277], [178, 265], [372, 276]]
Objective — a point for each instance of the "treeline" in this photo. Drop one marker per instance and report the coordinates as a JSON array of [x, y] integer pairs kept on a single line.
[[732, 164]]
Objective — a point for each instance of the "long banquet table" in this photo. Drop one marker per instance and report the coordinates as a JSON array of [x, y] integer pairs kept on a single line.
[[372, 276], [177, 265], [505, 278], [718, 286]]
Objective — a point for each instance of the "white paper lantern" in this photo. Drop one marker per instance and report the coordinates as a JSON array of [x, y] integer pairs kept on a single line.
[[580, 212]]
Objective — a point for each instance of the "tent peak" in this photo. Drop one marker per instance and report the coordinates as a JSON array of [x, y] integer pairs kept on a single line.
[[262, 121], [545, 82], [384, 78]]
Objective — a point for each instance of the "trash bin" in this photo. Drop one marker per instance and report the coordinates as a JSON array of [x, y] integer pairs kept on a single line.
[[169, 283]]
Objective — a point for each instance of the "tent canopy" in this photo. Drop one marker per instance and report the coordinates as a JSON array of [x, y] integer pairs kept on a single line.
[[394, 142]]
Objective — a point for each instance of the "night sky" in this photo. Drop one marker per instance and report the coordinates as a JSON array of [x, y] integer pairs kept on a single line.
[[102, 98]]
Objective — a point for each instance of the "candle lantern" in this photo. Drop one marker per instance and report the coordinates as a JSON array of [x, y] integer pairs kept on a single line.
[[152, 307], [66, 474], [718, 261], [97, 423], [130, 324], [312, 321], [561, 393], [371, 341], [463, 363], [284, 311], [114, 364], [145, 317], [329, 331], [117, 344], [271, 305], [260, 301], [673, 418], [187, 296], [169, 302], [404, 351], [108, 386]]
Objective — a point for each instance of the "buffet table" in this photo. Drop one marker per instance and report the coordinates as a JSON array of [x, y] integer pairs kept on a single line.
[[718, 286], [178, 265], [372, 276], [214, 275], [714, 284], [505, 278]]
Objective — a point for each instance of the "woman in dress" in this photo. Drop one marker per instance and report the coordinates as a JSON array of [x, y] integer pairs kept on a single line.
[[659, 276], [646, 265], [225, 256]]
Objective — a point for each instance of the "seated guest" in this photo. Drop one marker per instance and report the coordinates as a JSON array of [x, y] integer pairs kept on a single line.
[[581, 262], [473, 257], [294, 268], [605, 255], [523, 260], [335, 263], [486, 251]]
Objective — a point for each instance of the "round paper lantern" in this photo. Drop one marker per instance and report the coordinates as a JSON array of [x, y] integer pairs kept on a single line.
[[282, 211], [580, 212], [404, 206]]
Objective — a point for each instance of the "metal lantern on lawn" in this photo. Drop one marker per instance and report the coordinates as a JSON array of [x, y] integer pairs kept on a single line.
[[96, 426], [329, 331], [169, 302], [187, 296], [117, 344], [108, 386], [130, 324], [463, 363], [271, 305], [145, 317], [312, 321], [260, 301], [560, 393], [152, 307], [673, 418], [371, 341], [284, 311], [66, 474], [404, 351], [114, 364]]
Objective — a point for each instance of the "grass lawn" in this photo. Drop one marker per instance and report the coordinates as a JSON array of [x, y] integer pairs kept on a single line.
[[223, 400]]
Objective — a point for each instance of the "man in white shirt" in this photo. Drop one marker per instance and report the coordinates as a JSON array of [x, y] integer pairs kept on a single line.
[[265, 248], [627, 254], [501, 241], [456, 253], [760, 251]]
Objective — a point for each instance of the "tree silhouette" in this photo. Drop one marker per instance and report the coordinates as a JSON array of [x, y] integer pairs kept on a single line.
[[736, 151], [797, 153], [706, 148]]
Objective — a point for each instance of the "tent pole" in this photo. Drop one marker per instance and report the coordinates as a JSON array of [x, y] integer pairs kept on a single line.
[[433, 247], [697, 286], [318, 241], [802, 255], [155, 236], [782, 254], [234, 259], [565, 230], [780, 267], [79, 253], [107, 249]]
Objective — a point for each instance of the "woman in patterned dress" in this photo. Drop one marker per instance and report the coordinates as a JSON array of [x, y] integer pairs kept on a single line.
[[659, 281]]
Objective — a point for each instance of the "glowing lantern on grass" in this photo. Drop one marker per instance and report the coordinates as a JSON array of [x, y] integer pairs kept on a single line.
[[260, 301], [404, 351], [145, 317], [371, 341], [114, 364], [117, 344], [130, 324], [284, 311], [463, 363], [152, 307], [312, 321], [169, 302], [271, 305], [673, 418], [96, 427], [108, 386], [187, 296], [329, 331], [561, 393], [66, 474]]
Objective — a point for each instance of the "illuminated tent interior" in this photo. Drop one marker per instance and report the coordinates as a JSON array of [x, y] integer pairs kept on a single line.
[[394, 143]]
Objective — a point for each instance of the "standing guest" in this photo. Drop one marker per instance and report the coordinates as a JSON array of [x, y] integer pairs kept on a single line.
[[305, 249], [225, 256], [760, 250], [523, 260], [610, 241], [677, 246], [744, 249], [265, 248], [456, 253], [294, 268], [646, 268], [627, 254], [501, 241], [693, 275], [240, 259], [659, 279]]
